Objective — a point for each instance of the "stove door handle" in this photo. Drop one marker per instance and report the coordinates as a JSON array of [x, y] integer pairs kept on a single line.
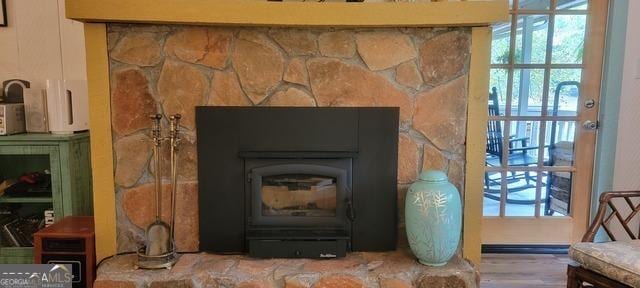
[[351, 214]]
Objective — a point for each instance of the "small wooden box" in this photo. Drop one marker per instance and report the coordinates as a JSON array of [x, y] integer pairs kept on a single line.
[[70, 241]]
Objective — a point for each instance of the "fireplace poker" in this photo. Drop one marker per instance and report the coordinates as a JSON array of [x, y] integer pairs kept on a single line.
[[174, 139]]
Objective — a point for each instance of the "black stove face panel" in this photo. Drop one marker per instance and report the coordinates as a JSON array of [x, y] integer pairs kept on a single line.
[[297, 182]]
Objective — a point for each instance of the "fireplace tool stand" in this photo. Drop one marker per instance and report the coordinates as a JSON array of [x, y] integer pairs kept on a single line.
[[159, 250]]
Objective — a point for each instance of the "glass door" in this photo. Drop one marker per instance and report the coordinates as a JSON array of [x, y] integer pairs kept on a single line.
[[545, 83], [29, 186]]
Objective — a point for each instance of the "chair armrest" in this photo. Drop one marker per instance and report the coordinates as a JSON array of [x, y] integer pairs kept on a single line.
[[515, 139], [607, 196], [526, 148], [522, 149], [605, 202], [512, 140]]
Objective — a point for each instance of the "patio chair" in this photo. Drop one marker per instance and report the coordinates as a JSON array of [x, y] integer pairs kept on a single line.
[[517, 156], [615, 263]]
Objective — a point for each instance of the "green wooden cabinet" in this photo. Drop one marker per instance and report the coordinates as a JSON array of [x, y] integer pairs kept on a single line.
[[67, 158]]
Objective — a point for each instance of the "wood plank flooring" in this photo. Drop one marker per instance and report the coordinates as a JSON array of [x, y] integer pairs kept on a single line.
[[523, 271]]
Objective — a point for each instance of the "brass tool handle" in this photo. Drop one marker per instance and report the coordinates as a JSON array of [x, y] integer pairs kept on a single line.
[[174, 125], [156, 137]]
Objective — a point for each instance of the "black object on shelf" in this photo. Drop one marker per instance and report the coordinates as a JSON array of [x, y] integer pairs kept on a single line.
[[31, 185]]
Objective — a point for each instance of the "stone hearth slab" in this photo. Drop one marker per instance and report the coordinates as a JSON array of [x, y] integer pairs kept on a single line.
[[385, 270]]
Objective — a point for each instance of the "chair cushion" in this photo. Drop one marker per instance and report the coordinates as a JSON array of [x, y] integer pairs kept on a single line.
[[618, 260]]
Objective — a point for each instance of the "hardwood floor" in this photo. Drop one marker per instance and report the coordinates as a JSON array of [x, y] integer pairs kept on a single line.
[[523, 271]]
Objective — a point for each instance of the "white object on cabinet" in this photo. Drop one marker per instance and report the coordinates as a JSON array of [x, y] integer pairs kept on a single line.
[[68, 106]]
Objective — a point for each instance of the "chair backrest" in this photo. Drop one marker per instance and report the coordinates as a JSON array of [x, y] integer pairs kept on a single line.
[[618, 215], [494, 129]]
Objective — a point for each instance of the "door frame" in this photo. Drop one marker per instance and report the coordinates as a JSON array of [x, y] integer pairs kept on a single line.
[[552, 230]]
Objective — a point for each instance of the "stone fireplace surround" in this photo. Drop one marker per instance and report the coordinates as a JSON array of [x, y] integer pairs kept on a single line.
[[172, 68]]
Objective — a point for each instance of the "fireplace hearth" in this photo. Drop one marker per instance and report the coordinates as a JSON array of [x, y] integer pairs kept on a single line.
[[297, 182]]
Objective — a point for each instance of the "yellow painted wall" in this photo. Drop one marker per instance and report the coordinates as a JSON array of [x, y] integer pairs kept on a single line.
[[104, 201]]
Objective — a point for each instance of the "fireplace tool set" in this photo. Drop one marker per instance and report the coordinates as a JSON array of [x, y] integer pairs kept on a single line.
[[159, 249]]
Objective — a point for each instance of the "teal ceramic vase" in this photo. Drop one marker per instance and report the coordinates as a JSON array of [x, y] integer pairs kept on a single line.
[[433, 218]]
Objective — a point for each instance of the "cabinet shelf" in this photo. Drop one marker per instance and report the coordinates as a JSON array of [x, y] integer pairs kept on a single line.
[[7, 199]]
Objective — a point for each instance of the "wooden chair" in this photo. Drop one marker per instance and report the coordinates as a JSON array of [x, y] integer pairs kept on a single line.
[[517, 155], [614, 264]]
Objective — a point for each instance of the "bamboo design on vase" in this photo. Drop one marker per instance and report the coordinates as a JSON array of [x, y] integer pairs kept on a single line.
[[436, 200]]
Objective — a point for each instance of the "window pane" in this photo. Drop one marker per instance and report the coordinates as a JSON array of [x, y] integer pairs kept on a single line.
[[527, 92], [491, 203], [531, 39], [523, 143], [500, 43], [557, 194], [495, 136], [564, 92], [572, 4], [499, 82], [533, 4], [568, 39], [559, 143], [521, 193]]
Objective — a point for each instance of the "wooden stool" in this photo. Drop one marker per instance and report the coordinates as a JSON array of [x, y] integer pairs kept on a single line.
[[70, 241]]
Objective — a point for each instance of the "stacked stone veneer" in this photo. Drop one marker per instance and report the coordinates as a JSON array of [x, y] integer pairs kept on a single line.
[[172, 69]]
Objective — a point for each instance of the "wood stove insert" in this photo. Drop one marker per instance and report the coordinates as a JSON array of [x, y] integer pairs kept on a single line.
[[297, 182]]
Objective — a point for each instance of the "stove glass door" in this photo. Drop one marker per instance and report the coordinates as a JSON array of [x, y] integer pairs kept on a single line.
[[300, 195]]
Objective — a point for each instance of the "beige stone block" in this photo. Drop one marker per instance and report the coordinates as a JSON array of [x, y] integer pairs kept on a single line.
[[339, 281], [259, 65], [382, 50], [407, 159], [226, 91], [131, 101], [132, 155], [335, 83], [433, 159], [294, 41], [296, 72], [431, 281], [181, 88], [292, 97], [441, 115], [201, 45], [339, 44], [394, 283], [407, 74], [444, 57], [138, 49]]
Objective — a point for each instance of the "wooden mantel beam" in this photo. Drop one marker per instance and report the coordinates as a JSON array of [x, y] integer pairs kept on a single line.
[[267, 13]]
